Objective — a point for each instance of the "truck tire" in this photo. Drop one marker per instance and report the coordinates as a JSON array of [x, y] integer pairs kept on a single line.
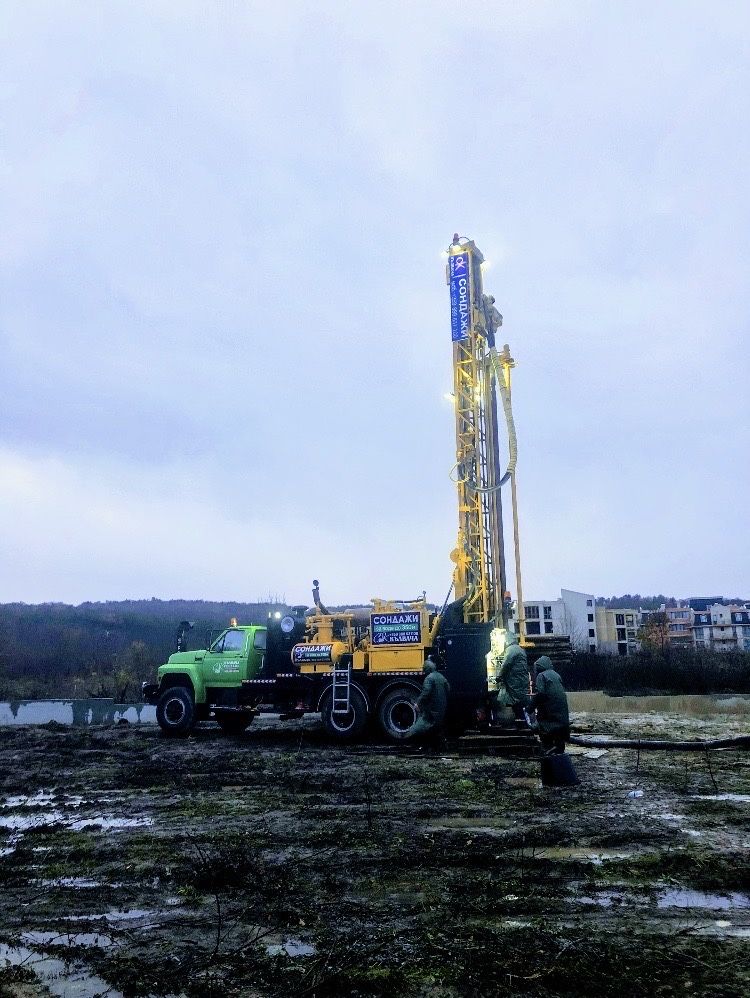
[[397, 713], [345, 727], [175, 711], [234, 723]]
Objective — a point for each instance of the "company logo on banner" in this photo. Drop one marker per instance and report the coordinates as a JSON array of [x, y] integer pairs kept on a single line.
[[396, 628], [311, 653], [460, 286]]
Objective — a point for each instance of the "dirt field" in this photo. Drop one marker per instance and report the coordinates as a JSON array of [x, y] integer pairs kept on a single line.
[[276, 865]]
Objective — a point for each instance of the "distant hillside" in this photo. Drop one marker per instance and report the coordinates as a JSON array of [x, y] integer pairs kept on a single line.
[[636, 601], [101, 649]]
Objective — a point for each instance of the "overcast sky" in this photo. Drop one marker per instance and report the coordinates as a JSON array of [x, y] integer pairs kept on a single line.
[[224, 327]]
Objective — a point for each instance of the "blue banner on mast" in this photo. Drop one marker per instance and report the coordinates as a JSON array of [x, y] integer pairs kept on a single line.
[[460, 286]]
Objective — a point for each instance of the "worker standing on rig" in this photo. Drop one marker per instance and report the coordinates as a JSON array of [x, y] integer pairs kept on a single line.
[[551, 704], [431, 706], [513, 678]]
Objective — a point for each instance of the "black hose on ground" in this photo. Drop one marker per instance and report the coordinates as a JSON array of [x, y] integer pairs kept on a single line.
[[741, 741]]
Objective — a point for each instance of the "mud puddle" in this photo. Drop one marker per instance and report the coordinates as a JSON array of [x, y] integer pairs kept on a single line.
[[473, 826], [587, 854], [60, 978], [46, 808], [115, 917], [667, 899], [290, 947], [735, 798], [40, 819], [79, 883], [39, 938], [682, 898]]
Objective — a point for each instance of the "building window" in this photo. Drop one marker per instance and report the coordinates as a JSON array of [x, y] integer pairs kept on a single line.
[[621, 634], [533, 628], [622, 649], [548, 613], [629, 619], [590, 618], [589, 602], [620, 619], [532, 613], [592, 632], [547, 626], [592, 649]]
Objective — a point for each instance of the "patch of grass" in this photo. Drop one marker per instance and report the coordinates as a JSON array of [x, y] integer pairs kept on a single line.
[[691, 866], [228, 864], [14, 979]]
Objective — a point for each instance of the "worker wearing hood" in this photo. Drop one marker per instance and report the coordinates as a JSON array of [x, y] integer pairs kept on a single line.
[[432, 704], [551, 704], [513, 677]]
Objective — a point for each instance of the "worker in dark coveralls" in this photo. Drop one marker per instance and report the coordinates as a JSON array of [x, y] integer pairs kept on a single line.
[[551, 705], [513, 677], [431, 706]]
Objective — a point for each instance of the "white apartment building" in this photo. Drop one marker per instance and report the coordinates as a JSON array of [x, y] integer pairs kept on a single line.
[[573, 615]]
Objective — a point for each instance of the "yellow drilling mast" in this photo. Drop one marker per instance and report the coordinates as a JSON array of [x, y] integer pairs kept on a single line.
[[480, 374]]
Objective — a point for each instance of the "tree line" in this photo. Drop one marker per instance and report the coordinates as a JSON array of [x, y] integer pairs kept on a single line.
[[54, 650], [634, 601]]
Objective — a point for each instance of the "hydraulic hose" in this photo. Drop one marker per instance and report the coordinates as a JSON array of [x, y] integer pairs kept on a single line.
[[502, 389], [509, 421]]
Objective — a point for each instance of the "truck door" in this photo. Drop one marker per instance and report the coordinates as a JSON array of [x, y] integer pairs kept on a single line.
[[225, 663], [256, 653]]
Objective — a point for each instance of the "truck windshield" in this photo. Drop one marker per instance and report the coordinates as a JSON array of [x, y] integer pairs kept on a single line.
[[230, 641]]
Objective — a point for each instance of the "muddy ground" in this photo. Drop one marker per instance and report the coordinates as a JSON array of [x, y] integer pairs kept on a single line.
[[276, 865]]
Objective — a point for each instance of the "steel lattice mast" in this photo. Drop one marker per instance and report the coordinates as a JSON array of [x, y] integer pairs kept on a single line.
[[479, 576]]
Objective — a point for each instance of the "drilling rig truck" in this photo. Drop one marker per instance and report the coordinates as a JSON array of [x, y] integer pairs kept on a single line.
[[364, 666]]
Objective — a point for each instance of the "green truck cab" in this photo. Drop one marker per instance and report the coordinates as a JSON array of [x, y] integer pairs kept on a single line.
[[195, 685]]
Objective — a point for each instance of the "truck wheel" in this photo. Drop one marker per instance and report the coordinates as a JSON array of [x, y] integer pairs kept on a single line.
[[397, 713], [175, 711], [234, 724], [345, 727]]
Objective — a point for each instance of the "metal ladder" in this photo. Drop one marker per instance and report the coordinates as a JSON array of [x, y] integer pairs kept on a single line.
[[342, 681]]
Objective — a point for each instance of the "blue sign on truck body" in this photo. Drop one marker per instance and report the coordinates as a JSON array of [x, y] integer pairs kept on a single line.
[[396, 628], [460, 286], [311, 652]]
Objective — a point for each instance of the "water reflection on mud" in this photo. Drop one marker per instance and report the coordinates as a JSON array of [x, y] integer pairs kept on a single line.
[[76, 712]]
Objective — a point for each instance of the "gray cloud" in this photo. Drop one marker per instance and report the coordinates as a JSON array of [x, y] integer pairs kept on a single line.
[[221, 287]]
